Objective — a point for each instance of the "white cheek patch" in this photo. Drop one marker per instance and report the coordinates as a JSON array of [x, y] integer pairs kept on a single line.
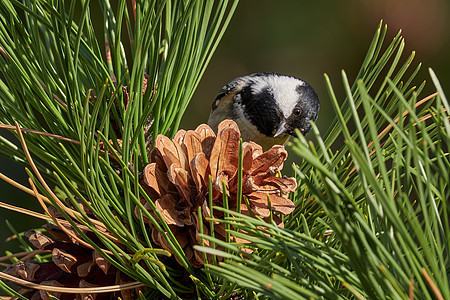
[[284, 89]]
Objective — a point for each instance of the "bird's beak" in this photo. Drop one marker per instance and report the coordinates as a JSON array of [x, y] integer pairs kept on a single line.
[[281, 129]]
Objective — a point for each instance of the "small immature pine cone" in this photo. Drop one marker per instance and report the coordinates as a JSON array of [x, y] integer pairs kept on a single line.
[[177, 180]]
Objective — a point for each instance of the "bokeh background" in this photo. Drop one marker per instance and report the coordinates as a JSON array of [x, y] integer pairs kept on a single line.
[[309, 38], [300, 38]]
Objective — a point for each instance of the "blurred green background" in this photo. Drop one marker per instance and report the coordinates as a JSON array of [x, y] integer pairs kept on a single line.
[[306, 39], [300, 38]]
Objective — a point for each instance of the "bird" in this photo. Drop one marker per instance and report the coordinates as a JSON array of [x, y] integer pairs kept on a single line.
[[267, 107]]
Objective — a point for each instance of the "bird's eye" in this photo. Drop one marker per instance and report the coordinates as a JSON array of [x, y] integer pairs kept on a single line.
[[297, 111]]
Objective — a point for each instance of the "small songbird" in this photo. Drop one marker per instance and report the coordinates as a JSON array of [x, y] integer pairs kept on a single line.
[[267, 107]]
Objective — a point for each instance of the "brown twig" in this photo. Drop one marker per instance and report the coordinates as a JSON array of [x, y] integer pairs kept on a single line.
[[20, 186], [26, 255], [24, 211], [72, 290], [406, 112], [388, 127], [411, 289], [10, 127], [433, 287], [2, 51]]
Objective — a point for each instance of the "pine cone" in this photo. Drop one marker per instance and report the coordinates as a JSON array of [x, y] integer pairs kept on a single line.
[[177, 179], [72, 264]]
